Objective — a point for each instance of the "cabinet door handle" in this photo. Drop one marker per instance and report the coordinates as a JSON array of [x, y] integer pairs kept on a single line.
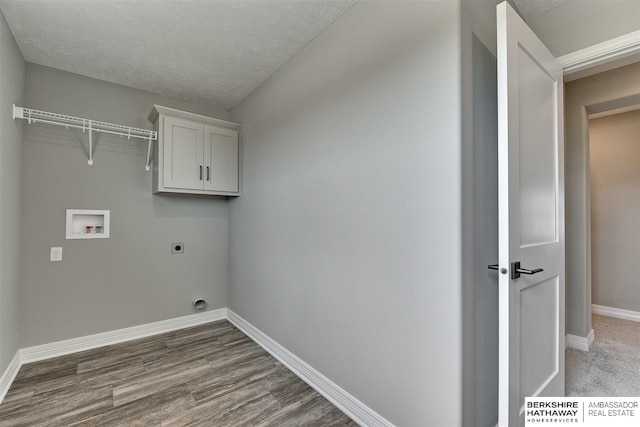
[[208, 175], [200, 172]]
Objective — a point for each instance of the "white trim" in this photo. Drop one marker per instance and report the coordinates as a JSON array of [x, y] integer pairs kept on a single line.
[[347, 403], [616, 312], [74, 345], [614, 111], [581, 343], [9, 375], [159, 109], [601, 53]]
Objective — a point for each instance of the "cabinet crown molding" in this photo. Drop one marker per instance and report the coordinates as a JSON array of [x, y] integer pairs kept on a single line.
[[159, 109]]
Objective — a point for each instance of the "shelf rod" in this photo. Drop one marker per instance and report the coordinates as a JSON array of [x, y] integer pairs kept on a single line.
[[45, 117]]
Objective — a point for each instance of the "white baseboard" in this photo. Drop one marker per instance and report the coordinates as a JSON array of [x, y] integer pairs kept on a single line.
[[591, 337], [9, 375], [74, 345], [616, 312], [581, 343], [351, 406]]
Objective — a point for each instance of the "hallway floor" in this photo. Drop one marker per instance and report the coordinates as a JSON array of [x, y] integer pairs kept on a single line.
[[611, 367], [210, 375]]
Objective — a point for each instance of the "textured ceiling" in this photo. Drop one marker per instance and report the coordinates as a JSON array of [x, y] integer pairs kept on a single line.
[[212, 51], [532, 8]]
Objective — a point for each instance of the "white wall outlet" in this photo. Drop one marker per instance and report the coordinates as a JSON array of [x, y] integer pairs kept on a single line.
[[56, 254]]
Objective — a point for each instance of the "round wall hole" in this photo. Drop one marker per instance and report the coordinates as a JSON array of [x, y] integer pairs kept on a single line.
[[199, 304]]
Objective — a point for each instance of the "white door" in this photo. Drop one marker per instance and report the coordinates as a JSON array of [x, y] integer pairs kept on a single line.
[[221, 159], [183, 154], [531, 218]]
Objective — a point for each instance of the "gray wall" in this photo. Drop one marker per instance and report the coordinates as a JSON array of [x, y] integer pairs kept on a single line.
[[345, 246], [479, 213], [12, 68], [582, 23], [615, 210], [596, 92], [131, 278]]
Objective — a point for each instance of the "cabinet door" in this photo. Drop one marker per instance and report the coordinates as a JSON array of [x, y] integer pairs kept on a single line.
[[183, 154], [221, 159]]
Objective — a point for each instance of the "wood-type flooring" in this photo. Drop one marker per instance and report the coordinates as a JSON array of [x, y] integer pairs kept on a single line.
[[209, 375]]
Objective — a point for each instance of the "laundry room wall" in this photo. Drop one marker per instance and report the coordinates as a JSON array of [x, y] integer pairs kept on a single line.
[[131, 278]]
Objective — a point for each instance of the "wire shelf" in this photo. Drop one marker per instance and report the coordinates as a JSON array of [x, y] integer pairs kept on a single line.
[[87, 125]]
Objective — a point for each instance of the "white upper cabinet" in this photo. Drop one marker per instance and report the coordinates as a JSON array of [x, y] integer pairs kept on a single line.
[[195, 154]]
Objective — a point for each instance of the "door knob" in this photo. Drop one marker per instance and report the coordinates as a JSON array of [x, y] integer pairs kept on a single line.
[[495, 267], [516, 270]]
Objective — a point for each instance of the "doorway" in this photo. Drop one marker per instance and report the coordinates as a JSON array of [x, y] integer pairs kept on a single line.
[[609, 367], [600, 93]]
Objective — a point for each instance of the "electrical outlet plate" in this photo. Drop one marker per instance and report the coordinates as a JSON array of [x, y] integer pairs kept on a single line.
[[56, 254], [177, 248]]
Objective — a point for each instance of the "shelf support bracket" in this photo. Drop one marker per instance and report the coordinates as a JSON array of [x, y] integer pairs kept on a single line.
[[90, 162], [149, 154]]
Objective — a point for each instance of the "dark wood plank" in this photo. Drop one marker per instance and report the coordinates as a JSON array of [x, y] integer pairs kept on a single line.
[[231, 378], [118, 353], [55, 407], [237, 408], [149, 410], [149, 383], [317, 411], [108, 375]]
